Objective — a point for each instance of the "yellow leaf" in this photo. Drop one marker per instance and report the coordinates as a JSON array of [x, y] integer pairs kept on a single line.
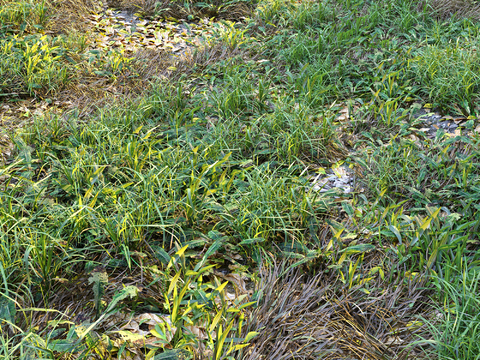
[[410, 275], [330, 244], [237, 347], [173, 283], [157, 334], [129, 336], [215, 321], [181, 251], [251, 335], [221, 287], [338, 233]]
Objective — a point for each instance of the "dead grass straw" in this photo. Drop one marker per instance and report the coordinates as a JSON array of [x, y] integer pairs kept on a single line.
[[301, 317], [445, 9]]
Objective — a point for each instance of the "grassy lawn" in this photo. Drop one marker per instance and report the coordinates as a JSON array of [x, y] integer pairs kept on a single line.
[[250, 179]]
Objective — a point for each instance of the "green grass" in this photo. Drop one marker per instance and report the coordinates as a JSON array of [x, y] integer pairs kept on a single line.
[[455, 324], [137, 204]]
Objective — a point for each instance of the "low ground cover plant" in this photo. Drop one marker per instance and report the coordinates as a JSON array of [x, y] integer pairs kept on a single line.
[[300, 181]]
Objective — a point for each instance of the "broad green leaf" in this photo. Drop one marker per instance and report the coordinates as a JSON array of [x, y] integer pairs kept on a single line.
[[7, 310], [243, 306], [64, 346], [175, 354], [162, 255], [211, 250], [252, 241], [396, 232], [99, 280], [128, 291], [360, 248], [432, 258]]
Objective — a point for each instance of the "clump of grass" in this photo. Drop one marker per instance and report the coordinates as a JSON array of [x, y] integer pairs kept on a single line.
[[455, 325], [34, 64], [31, 65], [197, 316], [408, 170], [20, 16], [450, 74]]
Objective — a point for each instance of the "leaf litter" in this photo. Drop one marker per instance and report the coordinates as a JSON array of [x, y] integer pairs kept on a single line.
[[127, 32]]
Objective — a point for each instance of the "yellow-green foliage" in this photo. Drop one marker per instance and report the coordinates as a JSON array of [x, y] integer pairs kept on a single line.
[[18, 16], [30, 63]]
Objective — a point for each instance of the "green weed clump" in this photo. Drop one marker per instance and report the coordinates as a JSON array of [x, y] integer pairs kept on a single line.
[[451, 75], [30, 65], [21, 16], [29, 62]]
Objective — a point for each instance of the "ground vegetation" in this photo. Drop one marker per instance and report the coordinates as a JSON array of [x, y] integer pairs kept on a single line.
[[243, 179]]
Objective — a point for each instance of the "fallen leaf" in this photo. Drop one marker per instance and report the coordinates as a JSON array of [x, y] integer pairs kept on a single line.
[[199, 332], [340, 172], [393, 341]]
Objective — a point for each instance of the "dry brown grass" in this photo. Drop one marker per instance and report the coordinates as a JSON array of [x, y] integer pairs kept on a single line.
[[301, 317], [177, 9], [145, 6], [447, 8], [70, 16], [147, 68]]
